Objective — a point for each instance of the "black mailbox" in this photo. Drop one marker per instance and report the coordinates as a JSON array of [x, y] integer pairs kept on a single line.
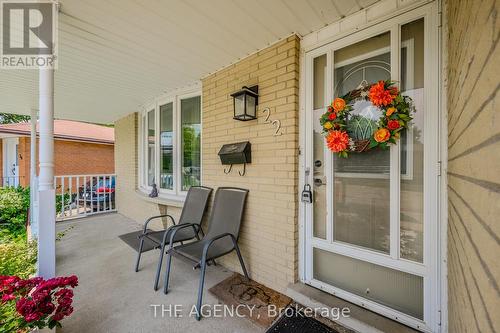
[[236, 153]]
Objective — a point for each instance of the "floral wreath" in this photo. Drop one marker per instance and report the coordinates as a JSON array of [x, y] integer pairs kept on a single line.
[[346, 131]]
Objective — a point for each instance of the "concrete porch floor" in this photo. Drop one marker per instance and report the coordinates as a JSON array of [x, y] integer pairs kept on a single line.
[[111, 297]]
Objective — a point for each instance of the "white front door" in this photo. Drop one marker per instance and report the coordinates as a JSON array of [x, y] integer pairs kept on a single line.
[[10, 162], [371, 234]]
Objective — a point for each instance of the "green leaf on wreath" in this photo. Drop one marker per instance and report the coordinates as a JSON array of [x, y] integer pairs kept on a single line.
[[373, 143]]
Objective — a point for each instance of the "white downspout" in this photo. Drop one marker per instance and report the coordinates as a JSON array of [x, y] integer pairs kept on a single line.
[[46, 191], [33, 181]]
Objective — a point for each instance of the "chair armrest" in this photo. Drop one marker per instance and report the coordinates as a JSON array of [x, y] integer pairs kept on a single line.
[[175, 228], [156, 217], [212, 240]]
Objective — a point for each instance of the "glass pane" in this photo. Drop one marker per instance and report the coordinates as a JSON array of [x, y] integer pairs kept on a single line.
[[398, 290], [166, 147], [239, 105], [319, 153], [412, 144], [250, 105], [191, 139], [319, 80], [361, 188], [151, 148]]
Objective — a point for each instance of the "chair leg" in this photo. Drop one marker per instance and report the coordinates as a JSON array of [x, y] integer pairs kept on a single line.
[[141, 245], [167, 273], [200, 289], [241, 261], [158, 269]]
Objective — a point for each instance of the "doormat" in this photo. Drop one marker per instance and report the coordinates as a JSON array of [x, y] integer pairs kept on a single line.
[[132, 240], [293, 321], [235, 290]]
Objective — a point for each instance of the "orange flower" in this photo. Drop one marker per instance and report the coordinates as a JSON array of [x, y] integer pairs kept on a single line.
[[393, 125], [379, 95], [390, 111], [337, 141], [382, 135], [338, 104]]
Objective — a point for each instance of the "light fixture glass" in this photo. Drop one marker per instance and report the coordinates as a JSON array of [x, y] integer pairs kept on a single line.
[[245, 103]]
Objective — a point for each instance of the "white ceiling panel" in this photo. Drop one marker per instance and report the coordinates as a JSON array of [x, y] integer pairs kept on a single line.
[[115, 55]]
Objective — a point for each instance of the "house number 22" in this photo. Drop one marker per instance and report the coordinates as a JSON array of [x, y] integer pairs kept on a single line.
[[276, 123]]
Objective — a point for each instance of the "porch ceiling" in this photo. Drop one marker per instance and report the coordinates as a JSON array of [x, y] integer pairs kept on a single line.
[[115, 55]]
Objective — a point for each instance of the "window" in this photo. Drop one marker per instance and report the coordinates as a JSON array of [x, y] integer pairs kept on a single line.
[[150, 158], [191, 138], [170, 140], [167, 146]]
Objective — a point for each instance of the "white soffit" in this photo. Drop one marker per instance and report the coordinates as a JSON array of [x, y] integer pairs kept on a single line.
[[115, 55]]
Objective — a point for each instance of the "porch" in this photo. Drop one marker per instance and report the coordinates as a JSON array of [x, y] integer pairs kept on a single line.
[[408, 236], [111, 297]]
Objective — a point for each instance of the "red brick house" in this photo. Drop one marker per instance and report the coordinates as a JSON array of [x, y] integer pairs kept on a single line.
[[81, 148]]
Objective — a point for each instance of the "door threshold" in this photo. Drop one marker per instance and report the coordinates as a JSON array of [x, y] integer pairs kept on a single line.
[[360, 319]]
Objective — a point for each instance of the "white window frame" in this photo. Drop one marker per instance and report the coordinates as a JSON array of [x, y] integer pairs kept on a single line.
[[175, 98], [143, 157]]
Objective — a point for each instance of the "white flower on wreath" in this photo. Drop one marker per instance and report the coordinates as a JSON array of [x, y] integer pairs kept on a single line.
[[351, 144]]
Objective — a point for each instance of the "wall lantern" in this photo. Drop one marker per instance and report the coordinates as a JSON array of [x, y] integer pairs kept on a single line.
[[245, 103]]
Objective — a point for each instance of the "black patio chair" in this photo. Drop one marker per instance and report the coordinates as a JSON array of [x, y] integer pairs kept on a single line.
[[192, 214], [221, 238]]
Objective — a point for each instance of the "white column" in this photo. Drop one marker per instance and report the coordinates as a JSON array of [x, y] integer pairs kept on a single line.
[[46, 192], [33, 182]]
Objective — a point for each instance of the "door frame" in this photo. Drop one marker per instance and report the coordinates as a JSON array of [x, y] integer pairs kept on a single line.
[[435, 239]]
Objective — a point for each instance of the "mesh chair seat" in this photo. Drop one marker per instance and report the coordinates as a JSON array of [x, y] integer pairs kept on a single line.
[[180, 236], [194, 251]]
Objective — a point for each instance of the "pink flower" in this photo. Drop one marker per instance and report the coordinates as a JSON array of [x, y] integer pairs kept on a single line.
[[37, 299]]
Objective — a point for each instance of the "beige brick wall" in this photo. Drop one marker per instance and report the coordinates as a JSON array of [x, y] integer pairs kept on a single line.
[[473, 166], [269, 234], [128, 202]]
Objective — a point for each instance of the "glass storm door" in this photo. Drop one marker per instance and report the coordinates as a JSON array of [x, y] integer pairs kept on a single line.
[[371, 231], [11, 164]]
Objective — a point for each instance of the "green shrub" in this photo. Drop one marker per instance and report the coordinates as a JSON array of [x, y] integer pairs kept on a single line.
[[14, 204], [17, 257], [9, 319], [62, 200]]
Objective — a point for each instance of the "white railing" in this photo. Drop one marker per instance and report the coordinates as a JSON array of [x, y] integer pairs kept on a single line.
[[84, 195], [10, 181]]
